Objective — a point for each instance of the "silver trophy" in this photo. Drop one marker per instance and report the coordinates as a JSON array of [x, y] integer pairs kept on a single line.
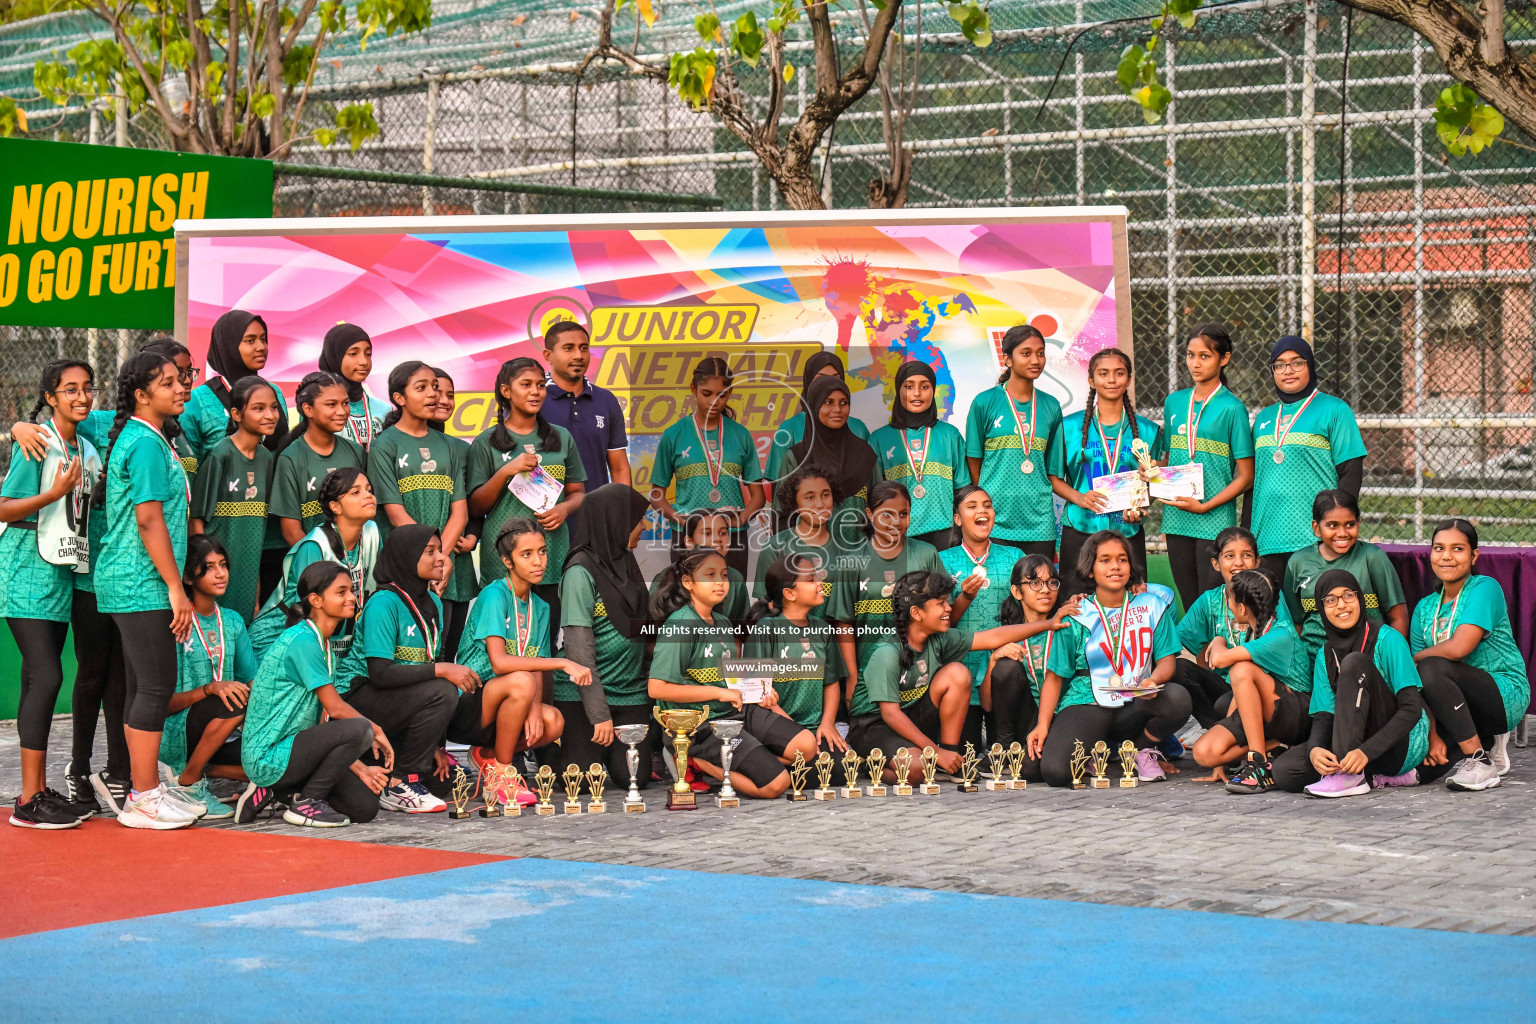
[[729, 731], [631, 735]]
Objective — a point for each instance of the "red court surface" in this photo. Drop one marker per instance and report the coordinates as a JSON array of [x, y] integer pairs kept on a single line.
[[104, 872]]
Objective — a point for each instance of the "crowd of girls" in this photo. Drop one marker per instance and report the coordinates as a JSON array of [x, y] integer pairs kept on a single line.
[[311, 613]]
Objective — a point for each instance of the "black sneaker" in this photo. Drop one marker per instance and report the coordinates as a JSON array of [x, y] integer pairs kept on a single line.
[[42, 812], [315, 814], [77, 788], [252, 802], [1252, 776], [80, 811], [110, 791]]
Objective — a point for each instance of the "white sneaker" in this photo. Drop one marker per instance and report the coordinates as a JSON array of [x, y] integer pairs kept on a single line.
[[183, 798], [410, 797], [151, 810], [1501, 753], [1476, 772]]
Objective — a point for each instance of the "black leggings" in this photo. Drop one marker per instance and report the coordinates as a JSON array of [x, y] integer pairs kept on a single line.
[[1136, 721], [269, 574], [1072, 542], [576, 746], [149, 658], [456, 613], [1014, 709], [100, 686], [41, 643], [203, 714], [1205, 689], [1465, 701], [1189, 559], [320, 767], [414, 717]]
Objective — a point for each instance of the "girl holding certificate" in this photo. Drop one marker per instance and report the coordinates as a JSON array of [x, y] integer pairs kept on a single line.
[[919, 451], [1206, 426], [1305, 443], [1100, 441]]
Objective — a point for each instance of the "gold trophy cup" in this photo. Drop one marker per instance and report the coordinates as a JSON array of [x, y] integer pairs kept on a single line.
[[902, 766], [465, 786], [970, 765], [572, 778], [996, 758], [798, 770], [1128, 765], [1078, 765], [1016, 766], [1100, 758], [544, 782], [824, 776], [851, 762], [597, 778], [930, 759], [875, 762], [681, 723], [490, 791]]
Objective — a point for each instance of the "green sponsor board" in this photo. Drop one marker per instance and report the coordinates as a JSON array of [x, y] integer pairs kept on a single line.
[[88, 229]]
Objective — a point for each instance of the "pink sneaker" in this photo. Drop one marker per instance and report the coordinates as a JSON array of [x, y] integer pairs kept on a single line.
[[1338, 784], [1408, 778], [1148, 768], [520, 793]]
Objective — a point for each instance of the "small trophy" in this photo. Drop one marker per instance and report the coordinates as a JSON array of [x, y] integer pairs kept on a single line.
[[1100, 758], [630, 736], [995, 759], [729, 731], [491, 777], [824, 775], [1016, 766], [572, 778], [798, 770], [850, 775], [1143, 453], [597, 778], [1128, 765], [875, 762], [465, 786], [1078, 765], [544, 782], [930, 759], [970, 765], [681, 723], [902, 766]]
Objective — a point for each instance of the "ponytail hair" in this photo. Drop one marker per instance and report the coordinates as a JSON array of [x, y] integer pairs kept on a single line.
[[1130, 407], [913, 590], [1220, 342], [670, 594], [136, 374], [336, 483], [240, 397], [164, 344], [506, 538], [714, 366], [501, 437], [784, 572], [199, 547], [1230, 534], [399, 377], [1327, 501], [315, 578], [53, 373], [1012, 611], [1015, 337], [1259, 592], [308, 394], [879, 494]]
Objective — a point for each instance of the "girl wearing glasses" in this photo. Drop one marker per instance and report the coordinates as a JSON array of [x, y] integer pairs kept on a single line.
[[1305, 443], [1336, 529], [1011, 689]]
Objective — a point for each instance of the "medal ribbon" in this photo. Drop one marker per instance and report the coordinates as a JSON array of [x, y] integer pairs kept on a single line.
[[977, 562], [325, 648], [1029, 443], [524, 634], [1450, 629], [1029, 660], [1114, 463], [715, 466], [367, 423], [217, 664], [916, 473], [185, 483], [1281, 435], [77, 495], [1116, 643], [430, 637], [1192, 422]]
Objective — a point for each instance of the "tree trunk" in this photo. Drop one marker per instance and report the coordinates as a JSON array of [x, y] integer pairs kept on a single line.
[[799, 187]]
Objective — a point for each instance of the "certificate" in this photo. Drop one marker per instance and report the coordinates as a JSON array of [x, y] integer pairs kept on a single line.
[[1124, 490], [536, 489], [747, 676], [1186, 481]]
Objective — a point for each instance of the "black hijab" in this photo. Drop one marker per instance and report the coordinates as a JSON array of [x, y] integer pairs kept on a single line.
[[337, 340], [813, 367], [1291, 343], [224, 345], [601, 546], [848, 459], [396, 567], [1339, 643], [901, 419]]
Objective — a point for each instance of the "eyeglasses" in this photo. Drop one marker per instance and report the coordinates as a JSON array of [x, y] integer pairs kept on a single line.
[[72, 392], [1041, 585], [1289, 365], [188, 375], [1334, 600]]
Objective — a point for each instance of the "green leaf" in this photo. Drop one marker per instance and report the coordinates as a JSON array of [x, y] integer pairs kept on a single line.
[[1129, 68], [692, 75], [707, 25], [296, 64], [12, 118], [357, 121], [747, 39], [264, 105], [325, 136], [1463, 122]]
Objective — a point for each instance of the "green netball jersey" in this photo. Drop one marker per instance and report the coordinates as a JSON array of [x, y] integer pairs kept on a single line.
[[1318, 434], [416, 473], [1481, 603], [141, 468], [685, 453], [862, 588], [563, 464], [983, 612], [300, 471], [1219, 430], [1366, 562], [1021, 501], [621, 662], [230, 496], [942, 465], [499, 612], [810, 662], [689, 652]]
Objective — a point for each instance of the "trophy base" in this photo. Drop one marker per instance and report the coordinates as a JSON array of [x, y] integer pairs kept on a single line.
[[484, 812], [823, 794], [995, 785], [850, 792], [634, 808], [929, 789], [597, 807], [458, 815], [795, 798], [1128, 783], [875, 791], [967, 787], [572, 808], [1078, 784], [1100, 783], [1017, 784], [902, 789], [681, 801], [544, 809], [727, 801]]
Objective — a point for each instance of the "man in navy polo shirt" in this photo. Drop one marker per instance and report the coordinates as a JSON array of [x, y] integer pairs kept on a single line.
[[592, 414]]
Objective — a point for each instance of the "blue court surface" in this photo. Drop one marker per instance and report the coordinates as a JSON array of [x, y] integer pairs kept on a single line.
[[571, 941]]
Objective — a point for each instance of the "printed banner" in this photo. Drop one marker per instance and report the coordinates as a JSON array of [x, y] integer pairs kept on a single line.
[[89, 238]]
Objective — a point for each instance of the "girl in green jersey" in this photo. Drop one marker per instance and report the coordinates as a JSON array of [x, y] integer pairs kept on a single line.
[[463, 584], [309, 452], [1336, 525]]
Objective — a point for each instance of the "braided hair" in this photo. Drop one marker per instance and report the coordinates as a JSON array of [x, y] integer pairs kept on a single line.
[[399, 377], [53, 374], [710, 367], [315, 579], [1258, 591], [1219, 341], [1012, 611], [782, 574], [506, 539], [136, 374], [670, 593], [501, 437], [913, 590], [240, 397], [1088, 407], [1015, 337], [308, 394]]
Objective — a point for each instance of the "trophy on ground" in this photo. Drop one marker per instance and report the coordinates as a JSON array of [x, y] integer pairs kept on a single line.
[[970, 765], [930, 759], [798, 770], [996, 758], [1078, 765], [1016, 766], [851, 775], [729, 731], [1100, 757], [544, 782], [1128, 765], [902, 766], [597, 778], [491, 777], [464, 787], [630, 736], [681, 723], [824, 776], [572, 778], [875, 762]]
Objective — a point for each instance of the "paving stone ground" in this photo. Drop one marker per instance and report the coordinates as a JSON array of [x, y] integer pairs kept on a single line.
[[1416, 858]]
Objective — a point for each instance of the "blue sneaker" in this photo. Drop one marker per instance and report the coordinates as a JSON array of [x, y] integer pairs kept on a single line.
[[217, 809], [1171, 747]]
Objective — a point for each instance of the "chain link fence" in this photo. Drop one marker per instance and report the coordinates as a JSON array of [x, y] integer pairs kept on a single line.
[[1296, 186]]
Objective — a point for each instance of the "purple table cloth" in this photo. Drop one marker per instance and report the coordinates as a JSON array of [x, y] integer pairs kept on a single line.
[[1514, 568]]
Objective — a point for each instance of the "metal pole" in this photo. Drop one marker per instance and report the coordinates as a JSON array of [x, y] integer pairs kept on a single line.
[[1080, 147], [1170, 252], [120, 139], [93, 335], [1418, 294], [1309, 174], [434, 82], [1007, 150]]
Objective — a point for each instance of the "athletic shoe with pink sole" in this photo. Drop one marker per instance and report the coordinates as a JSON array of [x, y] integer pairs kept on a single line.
[[1408, 778], [1338, 784]]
